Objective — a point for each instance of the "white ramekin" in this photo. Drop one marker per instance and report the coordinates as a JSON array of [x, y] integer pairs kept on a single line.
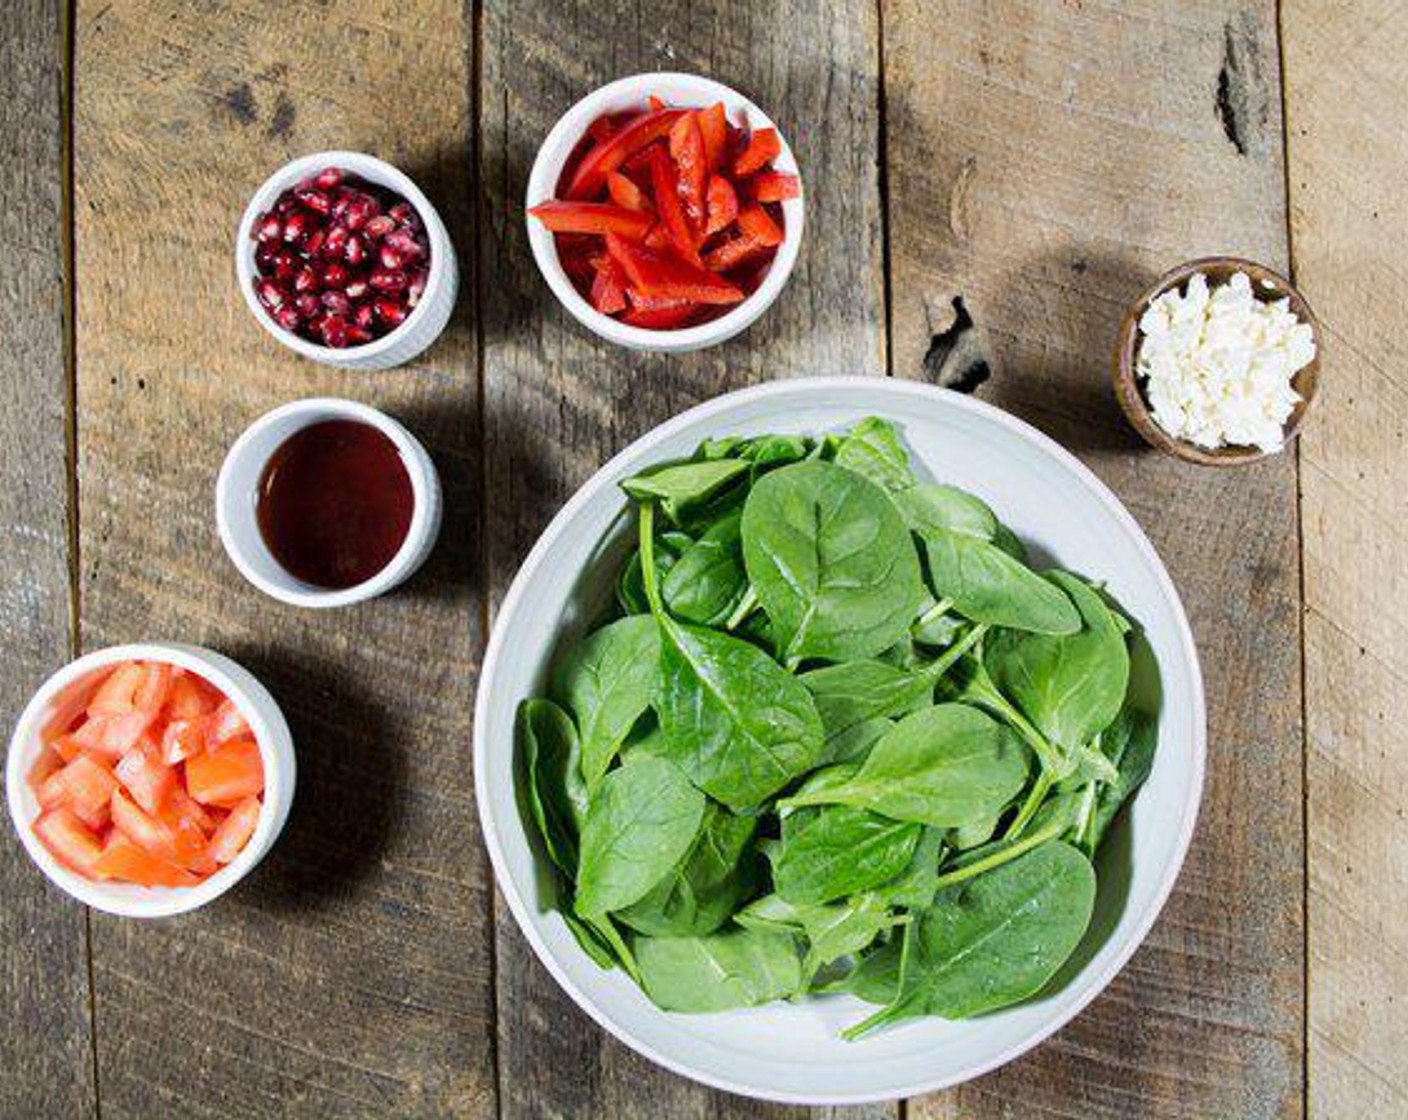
[[425, 322], [236, 494], [627, 94], [275, 749]]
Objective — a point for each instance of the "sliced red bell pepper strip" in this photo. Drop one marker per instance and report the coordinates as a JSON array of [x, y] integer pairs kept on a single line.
[[658, 238], [660, 318], [654, 102], [764, 146], [608, 293], [723, 205], [713, 128], [664, 182], [774, 186], [602, 129], [658, 274], [592, 217], [731, 254], [756, 223], [687, 150], [606, 157], [625, 193]]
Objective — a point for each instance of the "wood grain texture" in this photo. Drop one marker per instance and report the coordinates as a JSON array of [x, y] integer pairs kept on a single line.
[[1346, 75], [1045, 163], [559, 402], [350, 975], [45, 1046]]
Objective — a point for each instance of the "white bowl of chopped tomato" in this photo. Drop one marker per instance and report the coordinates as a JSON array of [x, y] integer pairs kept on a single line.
[[147, 779], [665, 211]]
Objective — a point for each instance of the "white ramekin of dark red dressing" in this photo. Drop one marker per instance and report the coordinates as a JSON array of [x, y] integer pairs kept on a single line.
[[324, 502]]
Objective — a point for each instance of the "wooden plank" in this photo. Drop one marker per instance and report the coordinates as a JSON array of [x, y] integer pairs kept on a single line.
[[1045, 163], [1345, 75], [559, 402], [46, 1046], [351, 974]]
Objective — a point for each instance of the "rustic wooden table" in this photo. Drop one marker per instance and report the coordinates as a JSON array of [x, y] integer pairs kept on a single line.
[[1026, 165]]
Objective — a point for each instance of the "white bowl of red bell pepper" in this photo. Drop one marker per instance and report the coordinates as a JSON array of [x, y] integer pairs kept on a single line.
[[665, 212]]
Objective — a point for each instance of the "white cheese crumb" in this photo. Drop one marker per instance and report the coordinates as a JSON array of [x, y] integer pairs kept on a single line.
[[1217, 364]]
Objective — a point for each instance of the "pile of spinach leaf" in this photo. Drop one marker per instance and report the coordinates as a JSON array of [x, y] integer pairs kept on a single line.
[[835, 736]]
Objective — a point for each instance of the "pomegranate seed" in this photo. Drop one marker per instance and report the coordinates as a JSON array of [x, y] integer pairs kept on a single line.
[[264, 257], [268, 228], [270, 294], [297, 226], [405, 214], [380, 226], [285, 264], [314, 244], [406, 243], [388, 279], [389, 257], [390, 312], [308, 305], [360, 211], [334, 276], [357, 288], [336, 302], [336, 241], [416, 289], [358, 335], [356, 250], [306, 280], [286, 202], [329, 178], [314, 199], [288, 318], [334, 331], [363, 315]]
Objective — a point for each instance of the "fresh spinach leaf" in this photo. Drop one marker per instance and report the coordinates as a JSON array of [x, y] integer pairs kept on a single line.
[[839, 850], [934, 507], [718, 872], [830, 561], [682, 485], [708, 582], [630, 590], [642, 820], [987, 585], [608, 680], [1130, 743], [994, 940], [873, 449], [733, 968], [946, 766], [557, 792]]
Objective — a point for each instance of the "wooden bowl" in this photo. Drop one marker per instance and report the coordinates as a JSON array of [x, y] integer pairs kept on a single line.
[[1266, 285]]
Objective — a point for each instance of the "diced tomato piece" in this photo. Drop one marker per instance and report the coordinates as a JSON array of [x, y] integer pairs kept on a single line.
[[661, 275], [67, 747], [774, 186], [49, 762], [227, 723], [168, 835], [191, 697], [123, 859], [713, 129], [665, 188], [731, 254], [723, 205], [183, 738], [118, 694], [625, 193], [763, 147], [147, 778], [687, 150], [71, 703], [756, 223], [113, 735], [609, 288], [72, 842], [227, 774], [205, 817], [155, 687], [85, 785], [592, 217], [610, 154], [234, 831]]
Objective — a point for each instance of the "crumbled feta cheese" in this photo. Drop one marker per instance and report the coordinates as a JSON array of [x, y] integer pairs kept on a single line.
[[1217, 363]]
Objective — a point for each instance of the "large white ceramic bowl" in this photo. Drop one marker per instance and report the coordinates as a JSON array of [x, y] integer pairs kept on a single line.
[[790, 1051]]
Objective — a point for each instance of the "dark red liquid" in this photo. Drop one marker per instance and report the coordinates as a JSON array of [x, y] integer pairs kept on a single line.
[[335, 503]]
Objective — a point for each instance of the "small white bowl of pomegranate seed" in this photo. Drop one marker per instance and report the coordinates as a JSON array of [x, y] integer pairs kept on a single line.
[[343, 259]]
